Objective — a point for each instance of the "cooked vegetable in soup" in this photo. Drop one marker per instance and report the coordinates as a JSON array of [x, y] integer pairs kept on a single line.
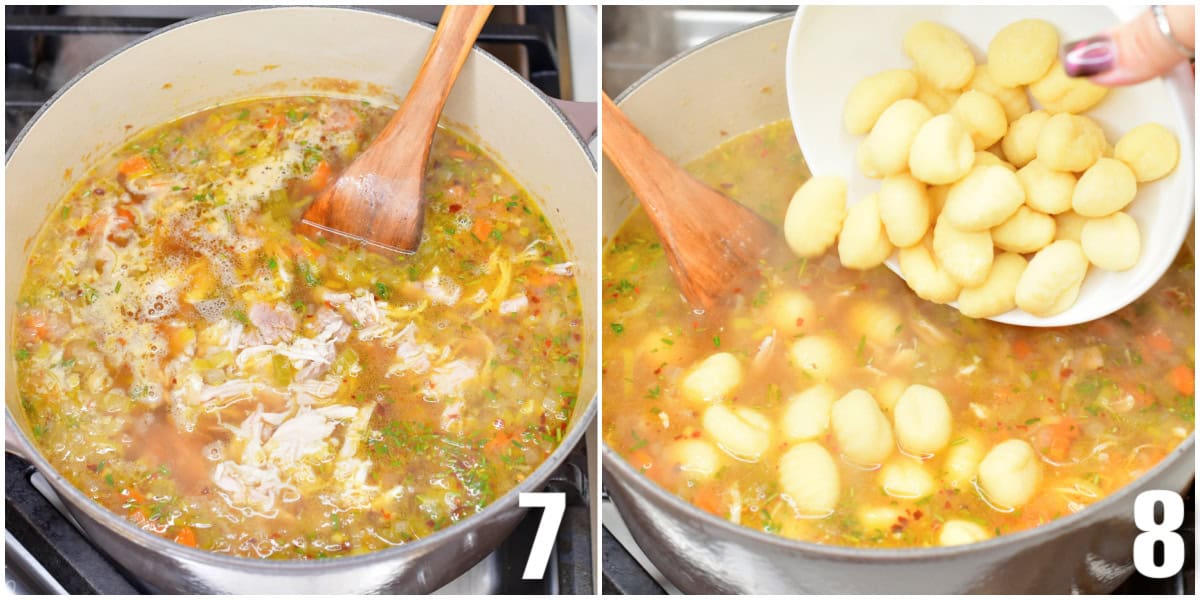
[[190, 363], [834, 406]]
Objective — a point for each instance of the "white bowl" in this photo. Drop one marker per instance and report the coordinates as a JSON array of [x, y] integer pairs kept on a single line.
[[832, 48]]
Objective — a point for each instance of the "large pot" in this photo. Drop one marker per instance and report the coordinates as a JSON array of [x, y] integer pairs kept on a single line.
[[279, 51], [735, 84]]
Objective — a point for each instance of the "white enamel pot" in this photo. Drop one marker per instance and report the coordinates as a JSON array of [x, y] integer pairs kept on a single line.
[[282, 51], [686, 107]]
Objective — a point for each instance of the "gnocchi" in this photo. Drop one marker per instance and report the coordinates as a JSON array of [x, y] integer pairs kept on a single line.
[[887, 146], [1151, 151], [1022, 52], [742, 432], [962, 461], [1070, 142], [888, 392], [1105, 188], [863, 243], [925, 277], [1046, 190], [871, 96], [1058, 92], [906, 478], [983, 116], [957, 532], [940, 55], [984, 157], [1026, 231], [1069, 226], [791, 312], [715, 378], [942, 151], [698, 458], [997, 294], [818, 356], [932, 97], [874, 321], [1051, 279], [965, 255], [1013, 99], [922, 420], [807, 413], [861, 430], [904, 209], [1009, 474], [814, 216], [1020, 142], [986, 197], [809, 476], [1112, 243]]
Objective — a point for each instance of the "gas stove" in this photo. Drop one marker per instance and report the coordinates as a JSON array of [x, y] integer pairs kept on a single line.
[[45, 551]]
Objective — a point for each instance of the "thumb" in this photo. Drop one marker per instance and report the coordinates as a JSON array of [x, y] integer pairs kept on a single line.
[[1133, 51]]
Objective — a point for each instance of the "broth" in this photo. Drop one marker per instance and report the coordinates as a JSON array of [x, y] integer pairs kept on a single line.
[[191, 364], [1099, 403]]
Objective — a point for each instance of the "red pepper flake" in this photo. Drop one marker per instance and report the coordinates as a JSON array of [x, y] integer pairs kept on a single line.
[[535, 299], [1065, 373], [455, 208], [800, 322], [695, 434], [917, 515]]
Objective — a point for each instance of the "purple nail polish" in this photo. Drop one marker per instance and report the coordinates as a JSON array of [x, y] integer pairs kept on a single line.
[[1088, 57]]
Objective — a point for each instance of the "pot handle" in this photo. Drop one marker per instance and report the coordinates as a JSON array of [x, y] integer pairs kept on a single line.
[[12, 439], [581, 116]]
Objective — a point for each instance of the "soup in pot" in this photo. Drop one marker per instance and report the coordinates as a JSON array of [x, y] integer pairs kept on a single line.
[[194, 366], [834, 406]]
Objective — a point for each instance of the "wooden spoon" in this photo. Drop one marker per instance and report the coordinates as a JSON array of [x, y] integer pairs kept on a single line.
[[378, 199], [713, 244]]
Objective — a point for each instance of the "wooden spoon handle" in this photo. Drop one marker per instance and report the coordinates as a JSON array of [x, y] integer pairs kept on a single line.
[[452, 42], [648, 171]]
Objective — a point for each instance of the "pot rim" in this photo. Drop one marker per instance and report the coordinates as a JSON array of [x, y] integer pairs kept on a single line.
[[161, 545], [623, 471]]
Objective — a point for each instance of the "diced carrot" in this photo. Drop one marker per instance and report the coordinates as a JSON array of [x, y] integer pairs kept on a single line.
[[186, 536], [1056, 438], [1021, 348], [36, 323], [1184, 380], [133, 165], [135, 495], [125, 218], [1158, 341], [709, 498], [320, 176], [274, 122], [482, 228], [498, 443], [643, 462], [460, 153]]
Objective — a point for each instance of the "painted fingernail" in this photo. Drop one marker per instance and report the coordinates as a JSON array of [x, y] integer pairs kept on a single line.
[[1092, 56]]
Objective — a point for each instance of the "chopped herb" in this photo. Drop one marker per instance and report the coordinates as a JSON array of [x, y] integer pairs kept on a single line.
[[272, 264], [618, 328], [22, 354], [382, 291], [497, 235], [1032, 421], [245, 114], [716, 341], [241, 316], [91, 295]]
